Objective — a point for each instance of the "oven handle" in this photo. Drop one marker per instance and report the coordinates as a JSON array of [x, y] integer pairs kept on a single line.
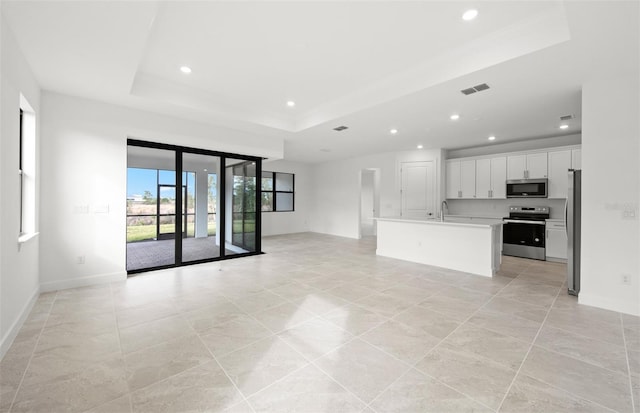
[[518, 221]]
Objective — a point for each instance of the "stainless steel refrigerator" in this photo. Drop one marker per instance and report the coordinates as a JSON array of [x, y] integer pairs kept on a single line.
[[572, 215]]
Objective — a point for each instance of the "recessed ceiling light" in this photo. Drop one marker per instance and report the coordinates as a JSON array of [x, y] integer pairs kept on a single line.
[[393, 131], [185, 69], [492, 138], [419, 146], [470, 14], [565, 126], [455, 116], [291, 103]]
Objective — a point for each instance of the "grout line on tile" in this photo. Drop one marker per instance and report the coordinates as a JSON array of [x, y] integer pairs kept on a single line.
[[113, 304], [225, 373], [550, 350], [626, 353], [274, 335], [437, 345], [608, 409], [529, 350], [365, 404], [33, 352]]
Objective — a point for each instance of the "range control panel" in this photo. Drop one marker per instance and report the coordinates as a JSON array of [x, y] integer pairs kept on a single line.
[[530, 210]]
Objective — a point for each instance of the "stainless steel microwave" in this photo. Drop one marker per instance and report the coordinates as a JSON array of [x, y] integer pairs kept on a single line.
[[527, 188]]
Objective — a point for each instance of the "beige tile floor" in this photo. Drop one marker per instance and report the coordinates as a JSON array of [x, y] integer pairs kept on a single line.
[[320, 324]]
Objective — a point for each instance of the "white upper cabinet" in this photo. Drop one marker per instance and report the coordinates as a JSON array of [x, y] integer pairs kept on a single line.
[[559, 165], [528, 166], [491, 174], [453, 179], [468, 179], [516, 167], [576, 159], [537, 165], [499, 177], [483, 178], [461, 179]]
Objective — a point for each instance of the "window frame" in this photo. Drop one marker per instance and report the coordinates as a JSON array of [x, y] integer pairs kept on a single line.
[[21, 231], [274, 191], [27, 202]]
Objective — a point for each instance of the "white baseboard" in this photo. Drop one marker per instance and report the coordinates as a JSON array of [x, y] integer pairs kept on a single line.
[[628, 307], [8, 338], [83, 281]]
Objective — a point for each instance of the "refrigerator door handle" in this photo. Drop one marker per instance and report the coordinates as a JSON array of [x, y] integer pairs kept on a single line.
[[566, 211]]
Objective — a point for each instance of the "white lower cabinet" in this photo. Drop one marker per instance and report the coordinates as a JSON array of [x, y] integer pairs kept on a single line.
[[556, 245]]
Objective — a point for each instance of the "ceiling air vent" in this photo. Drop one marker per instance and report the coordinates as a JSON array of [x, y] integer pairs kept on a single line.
[[477, 88], [340, 128], [567, 117]]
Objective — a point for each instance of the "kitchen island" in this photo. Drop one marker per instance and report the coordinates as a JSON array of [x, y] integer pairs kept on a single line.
[[472, 246]]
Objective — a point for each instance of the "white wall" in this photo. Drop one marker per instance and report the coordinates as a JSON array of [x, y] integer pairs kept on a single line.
[[610, 185], [84, 164], [18, 266], [336, 202], [275, 223]]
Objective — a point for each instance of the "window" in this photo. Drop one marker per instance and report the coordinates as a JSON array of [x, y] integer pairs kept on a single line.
[[27, 171], [21, 172], [277, 191]]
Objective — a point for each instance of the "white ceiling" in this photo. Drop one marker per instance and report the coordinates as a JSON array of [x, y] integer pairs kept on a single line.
[[371, 66]]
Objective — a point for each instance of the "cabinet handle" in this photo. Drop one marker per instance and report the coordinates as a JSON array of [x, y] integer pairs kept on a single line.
[[459, 194]]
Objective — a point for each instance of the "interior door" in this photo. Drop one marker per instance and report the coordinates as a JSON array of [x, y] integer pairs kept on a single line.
[[418, 189]]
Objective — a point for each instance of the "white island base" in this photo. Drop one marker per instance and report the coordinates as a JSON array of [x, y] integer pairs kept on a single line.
[[472, 248]]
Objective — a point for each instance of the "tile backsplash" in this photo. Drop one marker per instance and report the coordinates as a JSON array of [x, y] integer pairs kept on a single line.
[[500, 207]]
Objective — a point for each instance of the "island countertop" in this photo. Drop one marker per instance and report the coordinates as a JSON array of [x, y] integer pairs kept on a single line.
[[447, 220]]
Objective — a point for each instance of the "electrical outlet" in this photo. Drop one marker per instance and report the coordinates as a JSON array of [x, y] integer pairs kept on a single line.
[[629, 214], [80, 259], [625, 279]]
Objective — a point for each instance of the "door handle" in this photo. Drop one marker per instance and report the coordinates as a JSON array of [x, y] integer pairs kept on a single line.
[[566, 216]]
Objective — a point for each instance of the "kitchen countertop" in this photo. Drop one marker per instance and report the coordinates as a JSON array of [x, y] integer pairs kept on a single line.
[[449, 220], [476, 216]]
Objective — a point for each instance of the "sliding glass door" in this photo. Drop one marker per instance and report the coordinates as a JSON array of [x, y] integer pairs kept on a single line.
[[203, 240], [151, 200], [214, 212], [242, 200]]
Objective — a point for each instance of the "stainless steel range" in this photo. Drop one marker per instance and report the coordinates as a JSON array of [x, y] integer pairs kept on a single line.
[[523, 233]]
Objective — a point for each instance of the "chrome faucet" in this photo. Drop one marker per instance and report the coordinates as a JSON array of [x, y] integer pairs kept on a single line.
[[443, 205]]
